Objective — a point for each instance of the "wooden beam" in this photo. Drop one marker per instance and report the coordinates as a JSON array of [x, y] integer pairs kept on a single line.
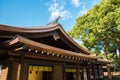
[[40, 56]]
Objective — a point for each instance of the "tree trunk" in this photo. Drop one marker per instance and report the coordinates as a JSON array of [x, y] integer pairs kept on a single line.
[[105, 50]]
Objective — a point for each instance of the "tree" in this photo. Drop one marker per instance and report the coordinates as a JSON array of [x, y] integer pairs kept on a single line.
[[99, 28]]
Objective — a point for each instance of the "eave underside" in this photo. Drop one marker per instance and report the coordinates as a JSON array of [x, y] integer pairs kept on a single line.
[[32, 49]]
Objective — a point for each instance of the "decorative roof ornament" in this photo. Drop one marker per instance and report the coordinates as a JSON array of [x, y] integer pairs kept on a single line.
[[55, 21]]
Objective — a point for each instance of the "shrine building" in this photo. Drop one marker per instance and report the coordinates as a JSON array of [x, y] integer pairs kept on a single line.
[[45, 53]]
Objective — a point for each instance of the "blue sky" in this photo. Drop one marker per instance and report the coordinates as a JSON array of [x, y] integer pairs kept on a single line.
[[32, 13]]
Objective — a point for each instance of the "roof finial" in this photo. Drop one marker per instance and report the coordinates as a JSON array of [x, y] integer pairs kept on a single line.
[[56, 20]]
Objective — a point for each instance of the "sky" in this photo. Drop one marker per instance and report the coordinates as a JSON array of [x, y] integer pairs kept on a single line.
[[36, 13]]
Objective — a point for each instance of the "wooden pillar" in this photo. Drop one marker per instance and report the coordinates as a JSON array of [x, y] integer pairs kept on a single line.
[[64, 72], [24, 71], [98, 72], [94, 72], [85, 73], [78, 71], [12, 69], [57, 72], [88, 72], [16, 71], [23, 67]]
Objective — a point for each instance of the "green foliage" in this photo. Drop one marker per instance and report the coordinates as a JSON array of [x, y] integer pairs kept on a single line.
[[99, 28]]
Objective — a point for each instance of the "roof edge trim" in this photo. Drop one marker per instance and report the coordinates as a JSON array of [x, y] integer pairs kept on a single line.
[[48, 48]]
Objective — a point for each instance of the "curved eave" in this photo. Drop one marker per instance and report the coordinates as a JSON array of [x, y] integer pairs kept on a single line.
[[43, 29], [51, 49], [29, 30], [73, 42]]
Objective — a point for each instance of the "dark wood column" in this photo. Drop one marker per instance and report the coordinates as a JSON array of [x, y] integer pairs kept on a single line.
[[57, 72], [78, 71], [24, 71], [94, 72], [15, 64], [88, 73], [23, 67], [98, 72], [16, 71], [64, 72], [13, 69]]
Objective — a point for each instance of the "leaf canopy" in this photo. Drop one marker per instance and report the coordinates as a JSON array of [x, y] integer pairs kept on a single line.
[[99, 28]]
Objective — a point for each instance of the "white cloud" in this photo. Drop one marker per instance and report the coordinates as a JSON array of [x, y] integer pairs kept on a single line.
[[76, 3], [82, 11], [57, 9]]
